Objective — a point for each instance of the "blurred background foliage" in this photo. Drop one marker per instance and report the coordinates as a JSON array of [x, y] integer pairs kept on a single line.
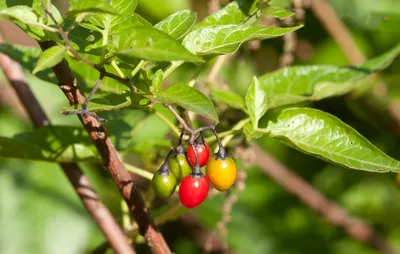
[[40, 213]]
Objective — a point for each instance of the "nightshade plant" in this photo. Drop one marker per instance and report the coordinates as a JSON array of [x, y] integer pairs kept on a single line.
[[126, 63]]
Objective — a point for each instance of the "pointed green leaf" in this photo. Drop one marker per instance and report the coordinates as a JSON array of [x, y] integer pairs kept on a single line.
[[229, 15], [151, 44], [177, 24], [229, 98], [226, 39], [325, 136], [37, 7], [190, 99], [49, 58], [256, 102], [278, 12], [91, 6], [297, 84], [27, 57], [27, 19], [103, 28]]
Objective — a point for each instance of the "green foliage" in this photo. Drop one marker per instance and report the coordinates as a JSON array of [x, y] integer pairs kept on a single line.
[[57, 143], [230, 14], [256, 102], [325, 136], [90, 6], [297, 84], [157, 52], [189, 98], [49, 58], [226, 39], [177, 24], [229, 98], [151, 44]]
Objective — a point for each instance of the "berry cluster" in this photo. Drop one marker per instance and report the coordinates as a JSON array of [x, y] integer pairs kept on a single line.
[[184, 169]]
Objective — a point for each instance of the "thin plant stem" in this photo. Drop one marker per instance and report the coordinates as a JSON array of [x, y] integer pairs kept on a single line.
[[138, 171], [169, 123], [174, 65]]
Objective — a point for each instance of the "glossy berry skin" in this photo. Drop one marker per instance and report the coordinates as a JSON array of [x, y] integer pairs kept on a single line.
[[179, 166], [193, 190], [203, 153], [221, 172], [164, 183]]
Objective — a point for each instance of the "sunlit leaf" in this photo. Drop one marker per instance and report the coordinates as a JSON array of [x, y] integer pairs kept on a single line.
[[27, 57], [229, 15], [226, 39], [325, 136], [177, 24], [256, 102], [49, 58], [27, 19], [297, 84], [278, 12], [80, 6], [151, 44], [190, 99]]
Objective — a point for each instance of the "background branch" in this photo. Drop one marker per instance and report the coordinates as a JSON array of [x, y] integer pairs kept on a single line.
[[339, 32], [111, 158], [82, 186], [335, 214]]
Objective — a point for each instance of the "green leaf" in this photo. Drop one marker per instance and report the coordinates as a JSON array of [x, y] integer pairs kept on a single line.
[[87, 76], [229, 98], [37, 7], [325, 136], [297, 84], [49, 58], [250, 132], [177, 24], [108, 26], [27, 57], [151, 44], [278, 12], [27, 19], [256, 102], [56, 143], [229, 15], [226, 39], [190, 99], [156, 82], [91, 6]]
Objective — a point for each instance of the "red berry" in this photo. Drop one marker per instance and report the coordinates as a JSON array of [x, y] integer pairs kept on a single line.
[[193, 190], [203, 153]]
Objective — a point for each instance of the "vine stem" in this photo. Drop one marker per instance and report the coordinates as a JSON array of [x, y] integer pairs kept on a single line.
[[111, 158], [81, 184], [185, 126]]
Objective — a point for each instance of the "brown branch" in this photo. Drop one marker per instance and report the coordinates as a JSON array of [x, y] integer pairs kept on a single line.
[[335, 214], [339, 32], [111, 158], [80, 182]]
